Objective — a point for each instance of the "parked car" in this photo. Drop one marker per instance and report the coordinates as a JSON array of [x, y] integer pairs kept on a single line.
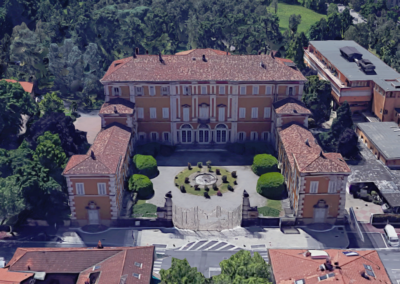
[[391, 236]]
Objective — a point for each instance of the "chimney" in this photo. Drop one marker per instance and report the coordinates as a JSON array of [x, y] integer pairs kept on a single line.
[[92, 155], [227, 53], [272, 54], [115, 109], [160, 58], [263, 65], [134, 54], [137, 50], [259, 53], [99, 245], [147, 52], [204, 58], [307, 143], [29, 268]]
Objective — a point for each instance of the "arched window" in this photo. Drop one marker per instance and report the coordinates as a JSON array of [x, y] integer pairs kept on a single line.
[[221, 133], [186, 134], [204, 133]]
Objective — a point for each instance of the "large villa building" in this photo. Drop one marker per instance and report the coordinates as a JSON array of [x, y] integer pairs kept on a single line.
[[202, 96], [357, 76]]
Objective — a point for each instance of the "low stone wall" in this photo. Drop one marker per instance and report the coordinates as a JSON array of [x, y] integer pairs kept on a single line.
[[142, 222], [262, 222], [381, 220]]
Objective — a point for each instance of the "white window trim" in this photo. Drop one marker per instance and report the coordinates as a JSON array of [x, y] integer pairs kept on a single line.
[[165, 92], [165, 112], [151, 136], [266, 89], [153, 113], [191, 135], [184, 111], [244, 113], [186, 87], [235, 90], [220, 88], [141, 90], [99, 185], [169, 136], [154, 90], [255, 138], [256, 90], [267, 112], [82, 186], [294, 90], [119, 91], [203, 90], [268, 136], [254, 115], [244, 136], [221, 110], [332, 187], [314, 186], [140, 113], [245, 90]]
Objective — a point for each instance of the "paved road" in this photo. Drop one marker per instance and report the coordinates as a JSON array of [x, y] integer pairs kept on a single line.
[[391, 260]]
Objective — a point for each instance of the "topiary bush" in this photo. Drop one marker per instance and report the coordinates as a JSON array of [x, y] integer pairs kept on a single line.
[[206, 188], [146, 165], [234, 174], [219, 193], [199, 165], [183, 189], [217, 171], [224, 179], [264, 163], [196, 187], [230, 188], [186, 179], [142, 185], [271, 185], [215, 187], [189, 166]]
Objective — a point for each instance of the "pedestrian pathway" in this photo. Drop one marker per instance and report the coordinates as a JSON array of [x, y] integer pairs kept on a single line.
[[205, 245]]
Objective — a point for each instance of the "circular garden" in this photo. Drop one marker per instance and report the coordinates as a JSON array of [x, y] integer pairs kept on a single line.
[[205, 180]]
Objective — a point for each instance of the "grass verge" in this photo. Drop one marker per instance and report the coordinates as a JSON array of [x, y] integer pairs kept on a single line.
[[145, 210], [272, 208]]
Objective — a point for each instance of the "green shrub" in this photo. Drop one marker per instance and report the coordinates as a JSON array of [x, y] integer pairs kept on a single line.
[[264, 163], [144, 210], [254, 148], [151, 149], [200, 165], [224, 179], [142, 185], [237, 148], [146, 165], [271, 185]]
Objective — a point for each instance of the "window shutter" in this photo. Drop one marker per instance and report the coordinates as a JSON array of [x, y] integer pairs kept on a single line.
[[267, 112], [80, 190], [221, 114], [185, 114], [314, 187], [153, 113], [165, 112], [332, 187], [140, 112], [101, 188], [242, 112]]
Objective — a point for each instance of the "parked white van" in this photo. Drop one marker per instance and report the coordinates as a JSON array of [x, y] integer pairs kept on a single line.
[[391, 236]]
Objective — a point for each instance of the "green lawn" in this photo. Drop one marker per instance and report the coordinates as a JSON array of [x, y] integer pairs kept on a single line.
[[180, 180], [272, 208], [308, 17], [143, 209]]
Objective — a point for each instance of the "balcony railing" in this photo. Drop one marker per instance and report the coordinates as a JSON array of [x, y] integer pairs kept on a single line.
[[203, 120]]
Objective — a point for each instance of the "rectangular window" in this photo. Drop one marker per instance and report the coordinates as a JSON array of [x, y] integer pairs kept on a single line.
[[314, 187], [221, 114], [153, 136], [80, 189], [142, 137], [152, 90], [165, 112], [166, 137], [332, 187], [290, 91], [242, 90], [139, 91], [242, 112], [153, 112], [265, 136], [235, 89], [253, 136], [101, 188], [140, 112], [241, 136], [203, 90], [267, 112], [222, 90], [255, 90], [268, 90], [186, 111], [116, 91], [254, 112], [186, 90], [165, 91]]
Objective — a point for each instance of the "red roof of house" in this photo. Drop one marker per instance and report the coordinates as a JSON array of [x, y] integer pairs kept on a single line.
[[182, 67], [27, 86], [109, 148], [290, 106], [9, 277], [302, 149], [113, 264], [122, 106], [291, 265]]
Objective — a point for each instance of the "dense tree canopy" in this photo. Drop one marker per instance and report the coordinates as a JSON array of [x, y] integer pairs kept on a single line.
[[317, 97]]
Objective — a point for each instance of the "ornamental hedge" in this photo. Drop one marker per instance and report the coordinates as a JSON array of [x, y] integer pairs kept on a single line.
[[146, 165], [264, 163], [142, 185], [271, 185]]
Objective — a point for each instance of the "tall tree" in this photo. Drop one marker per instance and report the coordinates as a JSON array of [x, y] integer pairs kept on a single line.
[[359, 33], [296, 51], [51, 103], [294, 22], [180, 272], [346, 20], [333, 8], [317, 97], [11, 200]]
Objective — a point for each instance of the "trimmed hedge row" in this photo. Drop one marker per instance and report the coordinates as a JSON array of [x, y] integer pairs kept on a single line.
[[271, 185], [146, 165], [142, 185], [264, 163]]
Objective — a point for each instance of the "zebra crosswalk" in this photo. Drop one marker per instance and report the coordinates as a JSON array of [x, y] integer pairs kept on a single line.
[[157, 266], [206, 245]]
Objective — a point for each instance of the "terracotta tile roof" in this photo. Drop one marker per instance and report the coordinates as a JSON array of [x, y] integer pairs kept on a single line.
[[302, 267], [109, 147], [201, 51], [290, 106], [27, 86], [112, 263], [9, 277], [123, 106], [301, 148], [184, 68], [284, 60]]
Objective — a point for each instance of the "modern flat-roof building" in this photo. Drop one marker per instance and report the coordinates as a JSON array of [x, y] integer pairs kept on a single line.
[[383, 139], [357, 76]]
